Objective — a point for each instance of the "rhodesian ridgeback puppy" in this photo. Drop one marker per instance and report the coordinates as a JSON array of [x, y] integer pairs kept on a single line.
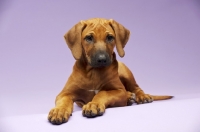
[[98, 80]]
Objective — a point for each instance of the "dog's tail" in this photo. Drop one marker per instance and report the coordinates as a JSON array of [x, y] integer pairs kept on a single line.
[[161, 97]]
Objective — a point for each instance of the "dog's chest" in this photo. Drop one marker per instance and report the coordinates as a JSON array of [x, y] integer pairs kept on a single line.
[[90, 78], [94, 80]]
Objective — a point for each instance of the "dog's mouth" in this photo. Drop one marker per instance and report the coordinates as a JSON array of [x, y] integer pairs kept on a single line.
[[100, 59]]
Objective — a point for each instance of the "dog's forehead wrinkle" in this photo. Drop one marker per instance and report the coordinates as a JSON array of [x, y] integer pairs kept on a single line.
[[90, 33], [109, 33], [97, 27]]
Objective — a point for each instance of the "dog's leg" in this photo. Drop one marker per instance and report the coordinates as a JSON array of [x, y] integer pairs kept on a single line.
[[140, 96], [64, 103], [130, 98], [62, 111], [130, 84], [104, 99], [84, 96]]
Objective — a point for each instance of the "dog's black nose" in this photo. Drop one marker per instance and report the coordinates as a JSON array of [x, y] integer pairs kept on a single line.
[[101, 59]]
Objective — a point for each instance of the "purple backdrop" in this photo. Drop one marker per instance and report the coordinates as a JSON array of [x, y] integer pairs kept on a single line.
[[163, 51]]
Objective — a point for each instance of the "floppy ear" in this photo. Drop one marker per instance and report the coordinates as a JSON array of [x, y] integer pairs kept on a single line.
[[73, 39], [122, 36]]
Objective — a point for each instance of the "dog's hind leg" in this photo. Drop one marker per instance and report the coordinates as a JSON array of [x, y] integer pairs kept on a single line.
[[130, 85], [130, 98]]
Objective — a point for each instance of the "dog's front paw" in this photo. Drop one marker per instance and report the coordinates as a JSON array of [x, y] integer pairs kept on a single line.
[[93, 109], [143, 98], [58, 115]]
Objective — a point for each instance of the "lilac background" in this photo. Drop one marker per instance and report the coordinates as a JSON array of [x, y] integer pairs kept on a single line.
[[163, 51]]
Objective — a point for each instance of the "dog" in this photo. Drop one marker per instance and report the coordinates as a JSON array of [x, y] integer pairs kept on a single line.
[[98, 80]]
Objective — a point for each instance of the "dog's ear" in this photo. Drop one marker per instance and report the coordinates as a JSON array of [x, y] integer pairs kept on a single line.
[[122, 35], [73, 39]]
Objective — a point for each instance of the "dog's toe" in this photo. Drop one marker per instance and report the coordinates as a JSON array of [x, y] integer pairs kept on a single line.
[[141, 99], [58, 116], [131, 98], [93, 109]]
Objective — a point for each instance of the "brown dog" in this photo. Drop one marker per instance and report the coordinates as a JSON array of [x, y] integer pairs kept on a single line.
[[96, 69]]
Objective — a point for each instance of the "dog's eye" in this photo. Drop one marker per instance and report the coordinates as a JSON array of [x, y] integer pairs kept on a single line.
[[89, 38], [109, 38]]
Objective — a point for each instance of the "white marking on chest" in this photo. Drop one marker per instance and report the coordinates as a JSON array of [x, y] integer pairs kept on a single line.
[[96, 91]]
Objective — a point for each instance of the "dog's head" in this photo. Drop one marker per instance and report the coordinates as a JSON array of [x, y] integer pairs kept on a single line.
[[96, 39]]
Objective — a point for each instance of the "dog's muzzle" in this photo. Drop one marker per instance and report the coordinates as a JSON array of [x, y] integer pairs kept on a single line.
[[100, 59]]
